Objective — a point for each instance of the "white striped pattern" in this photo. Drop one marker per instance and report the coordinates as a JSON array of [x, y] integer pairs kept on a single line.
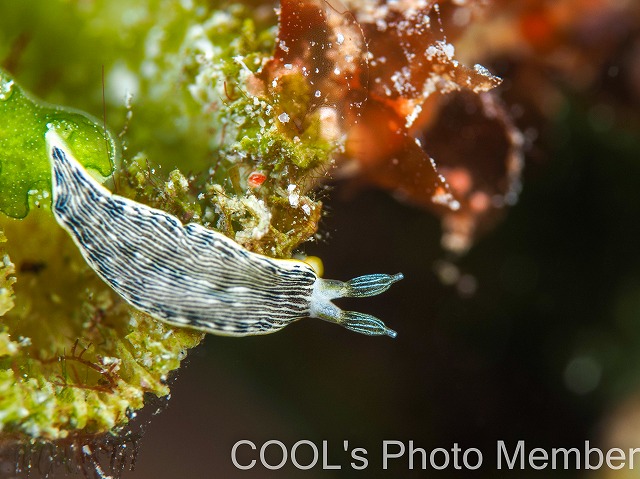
[[189, 275]]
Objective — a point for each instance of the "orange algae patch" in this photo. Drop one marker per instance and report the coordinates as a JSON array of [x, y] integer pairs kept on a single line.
[[383, 71]]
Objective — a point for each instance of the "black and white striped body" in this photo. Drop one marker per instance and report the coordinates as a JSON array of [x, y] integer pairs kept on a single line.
[[186, 275]]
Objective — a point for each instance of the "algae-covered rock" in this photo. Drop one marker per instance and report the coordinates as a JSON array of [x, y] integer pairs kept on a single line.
[[72, 355], [203, 134]]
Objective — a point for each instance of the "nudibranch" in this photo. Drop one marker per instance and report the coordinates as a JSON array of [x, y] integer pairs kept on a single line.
[[191, 276]]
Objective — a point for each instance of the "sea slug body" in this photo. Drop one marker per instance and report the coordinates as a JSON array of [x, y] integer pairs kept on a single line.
[[191, 276]]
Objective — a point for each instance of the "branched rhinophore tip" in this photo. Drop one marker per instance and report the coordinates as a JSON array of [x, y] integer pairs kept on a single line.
[[369, 285]]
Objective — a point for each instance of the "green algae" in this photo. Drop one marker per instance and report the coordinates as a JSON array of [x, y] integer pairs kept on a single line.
[[73, 357], [72, 354], [24, 166], [7, 279], [229, 124]]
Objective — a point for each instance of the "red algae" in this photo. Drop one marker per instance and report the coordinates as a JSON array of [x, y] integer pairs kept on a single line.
[[381, 72]]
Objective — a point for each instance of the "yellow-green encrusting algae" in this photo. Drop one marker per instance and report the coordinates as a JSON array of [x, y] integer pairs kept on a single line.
[[73, 357]]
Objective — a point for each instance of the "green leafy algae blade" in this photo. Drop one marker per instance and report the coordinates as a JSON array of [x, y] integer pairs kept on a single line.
[[24, 166]]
